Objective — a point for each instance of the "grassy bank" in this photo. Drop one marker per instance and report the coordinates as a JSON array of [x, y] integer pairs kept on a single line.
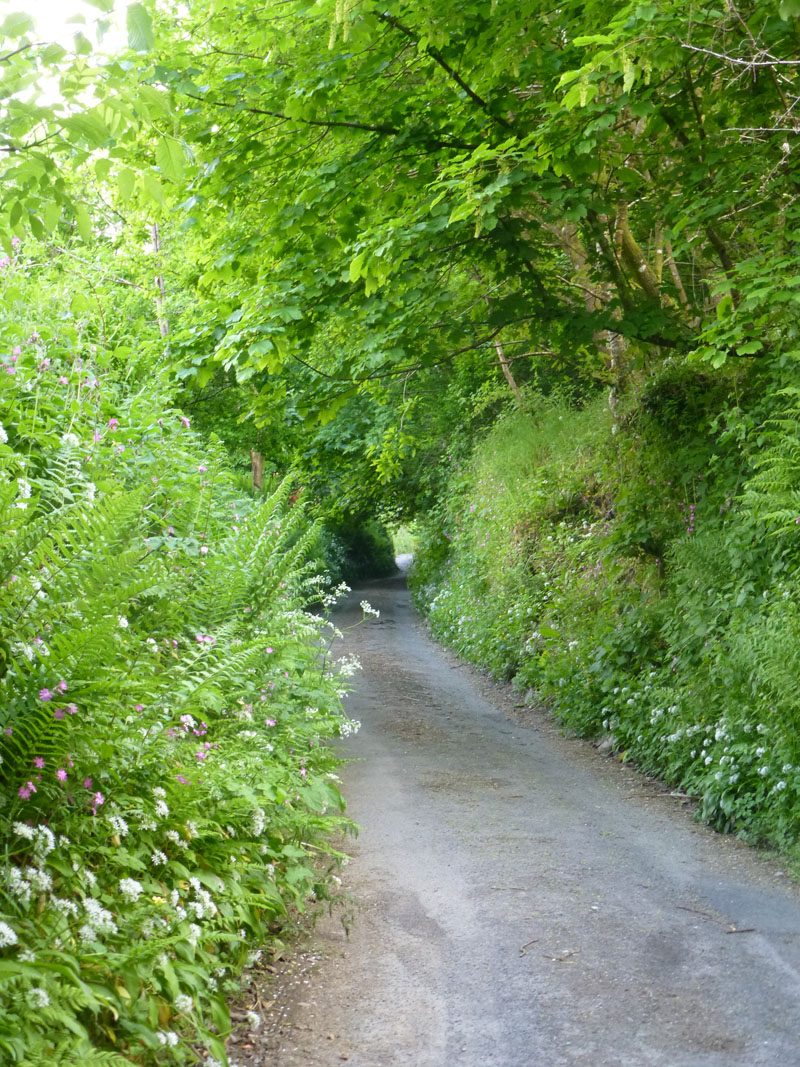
[[640, 572]]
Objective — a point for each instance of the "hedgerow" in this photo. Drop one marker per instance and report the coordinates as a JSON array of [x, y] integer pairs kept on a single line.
[[642, 577], [166, 793]]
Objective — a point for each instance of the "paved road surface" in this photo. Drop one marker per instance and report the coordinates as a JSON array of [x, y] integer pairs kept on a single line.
[[526, 901]]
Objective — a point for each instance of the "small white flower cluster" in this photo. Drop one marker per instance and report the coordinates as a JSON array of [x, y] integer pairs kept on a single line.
[[130, 889], [368, 609], [158, 858], [184, 1003], [258, 821], [348, 727], [100, 920], [162, 810], [329, 599], [38, 997], [254, 1019], [203, 906], [118, 825], [347, 666], [176, 839], [7, 935], [167, 1037], [66, 907]]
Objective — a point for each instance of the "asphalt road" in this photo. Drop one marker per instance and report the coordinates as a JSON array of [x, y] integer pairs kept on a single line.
[[523, 900]]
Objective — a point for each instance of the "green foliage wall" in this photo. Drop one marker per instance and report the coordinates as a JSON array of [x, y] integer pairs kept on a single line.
[[166, 793], [628, 570]]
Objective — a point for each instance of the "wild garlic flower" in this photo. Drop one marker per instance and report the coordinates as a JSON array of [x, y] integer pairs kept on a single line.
[[130, 889], [7, 935]]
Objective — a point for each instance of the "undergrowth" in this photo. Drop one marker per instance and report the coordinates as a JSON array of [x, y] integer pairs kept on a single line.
[[167, 792], [641, 574]]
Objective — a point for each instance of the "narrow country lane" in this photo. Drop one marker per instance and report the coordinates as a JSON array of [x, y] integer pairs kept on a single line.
[[522, 900]]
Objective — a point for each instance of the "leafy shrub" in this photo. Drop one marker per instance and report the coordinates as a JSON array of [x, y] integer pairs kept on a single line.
[[616, 568], [167, 795]]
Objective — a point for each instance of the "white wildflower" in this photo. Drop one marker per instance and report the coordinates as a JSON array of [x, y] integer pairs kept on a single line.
[[3, 435], [130, 889], [22, 829], [118, 825], [157, 790], [24, 488], [38, 997], [91, 490], [122, 622], [99, 917], [38, 879], [161, 809], [70, 440], [184, 1003], [66, 907], [167, 1037], [7, 935], [158, 859], [254, 1019]]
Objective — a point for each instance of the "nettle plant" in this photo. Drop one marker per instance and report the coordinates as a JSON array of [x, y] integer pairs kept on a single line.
[[167, 795]]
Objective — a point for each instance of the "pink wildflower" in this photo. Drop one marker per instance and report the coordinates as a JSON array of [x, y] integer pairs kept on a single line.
[[38, 762], [62, 685], [270, 722], [45, 694], [113, 424], [87, 783], [61, 774]]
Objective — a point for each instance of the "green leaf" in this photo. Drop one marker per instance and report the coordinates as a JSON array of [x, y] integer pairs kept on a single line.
[[16, 24], [789, 9], [51, 214], [126, 180], [140, 28], [84, 221], [153, 187], [593, 38], [80, 303], [170, 158]]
